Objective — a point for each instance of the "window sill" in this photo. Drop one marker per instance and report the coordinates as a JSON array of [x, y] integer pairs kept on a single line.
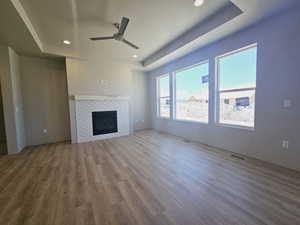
[[163, 118], [235, 126], [191, 121]]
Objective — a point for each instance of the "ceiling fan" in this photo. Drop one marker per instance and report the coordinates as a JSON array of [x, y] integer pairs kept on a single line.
[[119, 36]]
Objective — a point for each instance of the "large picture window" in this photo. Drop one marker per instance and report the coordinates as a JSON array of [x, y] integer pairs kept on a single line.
[[191, 93], [163, 96], [236, 87]]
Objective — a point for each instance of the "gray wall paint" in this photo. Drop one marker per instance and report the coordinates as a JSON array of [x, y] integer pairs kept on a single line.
[[44, 88], [140, 104], [7, 100], [17, 99], [84, 77], [2, 126], [3, 147], [12, 100], [278, 78]]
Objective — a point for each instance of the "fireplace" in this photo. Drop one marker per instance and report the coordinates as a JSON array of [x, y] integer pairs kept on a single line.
[[99, 117], [104, 122]]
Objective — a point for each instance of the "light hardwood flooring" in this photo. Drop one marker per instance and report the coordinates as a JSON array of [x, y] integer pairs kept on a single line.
[[144, 179]]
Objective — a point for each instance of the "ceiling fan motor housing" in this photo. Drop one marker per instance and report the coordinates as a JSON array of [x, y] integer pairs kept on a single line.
[[118, 37]]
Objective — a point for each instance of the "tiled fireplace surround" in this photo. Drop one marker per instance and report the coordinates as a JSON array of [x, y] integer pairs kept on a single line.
[[85, 105]]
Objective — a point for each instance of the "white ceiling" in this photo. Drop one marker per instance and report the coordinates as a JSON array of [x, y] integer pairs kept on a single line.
[[13, 32], [154, 24], [253, 12]]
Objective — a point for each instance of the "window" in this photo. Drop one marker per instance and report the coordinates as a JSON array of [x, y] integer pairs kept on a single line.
[[236, 87], [191, 93], [163, 96]]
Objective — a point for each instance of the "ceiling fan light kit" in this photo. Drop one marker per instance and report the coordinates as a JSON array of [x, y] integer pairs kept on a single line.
[[119, 36], [198, 3]]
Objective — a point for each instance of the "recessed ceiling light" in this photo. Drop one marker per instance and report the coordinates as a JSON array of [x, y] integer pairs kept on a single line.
[[67, 42], [198, 3], [135, 56]]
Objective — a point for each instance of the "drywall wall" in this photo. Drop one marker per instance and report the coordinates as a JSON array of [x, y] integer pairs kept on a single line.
[[96, 76], [3, 147], [278, 78], [12, 100], [85, 76], [2, 126], [140, 101], [8, 108], [44, 88], [17, 98]]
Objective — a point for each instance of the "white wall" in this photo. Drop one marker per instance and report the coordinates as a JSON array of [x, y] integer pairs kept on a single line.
[[12, 99], [278, 78]]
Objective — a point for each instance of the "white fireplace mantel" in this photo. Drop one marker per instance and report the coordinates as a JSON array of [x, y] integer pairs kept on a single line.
[[100, 98]]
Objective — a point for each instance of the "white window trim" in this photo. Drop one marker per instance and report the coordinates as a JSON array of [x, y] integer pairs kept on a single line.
[[218, 92], [158, 97], [174, 93]]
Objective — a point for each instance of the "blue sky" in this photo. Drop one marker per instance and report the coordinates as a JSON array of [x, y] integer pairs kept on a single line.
[[189, 82], [236, 71], [164, 86]]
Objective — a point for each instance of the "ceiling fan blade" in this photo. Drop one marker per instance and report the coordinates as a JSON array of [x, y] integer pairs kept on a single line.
[[123, 25], [130, 44], [101, 38]]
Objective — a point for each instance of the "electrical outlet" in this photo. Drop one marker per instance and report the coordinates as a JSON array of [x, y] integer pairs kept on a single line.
[[285, 144], [287, 103], [45, 131], [103, 82]]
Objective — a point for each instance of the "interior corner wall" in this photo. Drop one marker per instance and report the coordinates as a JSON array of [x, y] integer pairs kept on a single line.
[[278, 78], [44, 88], [12, 100]]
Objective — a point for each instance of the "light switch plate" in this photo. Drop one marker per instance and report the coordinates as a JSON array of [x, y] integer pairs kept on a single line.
[[285, 144], [287, 103]]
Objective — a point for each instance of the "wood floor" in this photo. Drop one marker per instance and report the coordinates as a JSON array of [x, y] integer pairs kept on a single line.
[[147, 178]]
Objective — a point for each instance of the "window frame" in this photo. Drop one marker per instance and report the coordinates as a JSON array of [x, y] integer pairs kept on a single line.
[[174, 85], [218, 91], [158, 114]]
